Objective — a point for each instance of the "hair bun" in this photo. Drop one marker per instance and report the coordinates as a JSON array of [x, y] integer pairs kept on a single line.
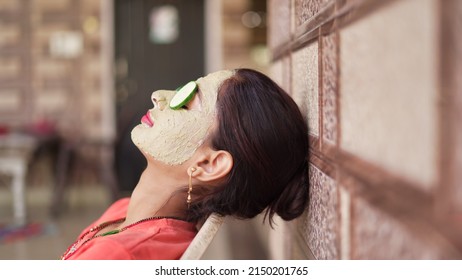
[[293, 199]]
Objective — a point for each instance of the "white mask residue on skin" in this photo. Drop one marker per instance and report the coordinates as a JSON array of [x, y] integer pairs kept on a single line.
[[176, 134]]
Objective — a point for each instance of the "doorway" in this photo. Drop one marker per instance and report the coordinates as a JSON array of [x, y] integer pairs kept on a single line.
[[159, 44]]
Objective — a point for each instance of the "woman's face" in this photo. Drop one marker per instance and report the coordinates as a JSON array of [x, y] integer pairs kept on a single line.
[[172, 136]]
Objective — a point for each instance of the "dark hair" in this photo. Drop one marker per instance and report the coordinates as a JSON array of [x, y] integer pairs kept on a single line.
[[262, 128]]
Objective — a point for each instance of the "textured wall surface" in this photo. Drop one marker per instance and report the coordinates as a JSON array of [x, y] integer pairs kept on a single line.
[[398, 71], [378, 84]]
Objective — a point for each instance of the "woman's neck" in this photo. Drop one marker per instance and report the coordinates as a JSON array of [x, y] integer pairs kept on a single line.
[[156, 194]]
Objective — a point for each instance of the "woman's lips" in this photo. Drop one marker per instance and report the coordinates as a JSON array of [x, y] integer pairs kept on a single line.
[[146, 119]]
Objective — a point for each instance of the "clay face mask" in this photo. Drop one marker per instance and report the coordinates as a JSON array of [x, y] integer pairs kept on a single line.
[[173, 135]]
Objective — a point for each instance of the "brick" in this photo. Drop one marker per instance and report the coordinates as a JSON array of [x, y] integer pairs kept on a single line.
[[377, 235], [49, 67], [319, 224], [450, 190], [305, 9], [389, 90], [11, 36], [9, 5], [51, 100], [279, 25], [45, 5], [280, 72], [11, 100], [305, 89], [329, 88], [11, 67]]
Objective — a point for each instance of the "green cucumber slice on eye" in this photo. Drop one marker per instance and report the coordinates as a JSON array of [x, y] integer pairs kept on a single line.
[[184, 95]]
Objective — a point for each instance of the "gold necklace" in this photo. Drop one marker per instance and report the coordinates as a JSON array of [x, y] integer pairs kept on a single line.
[[74, 247]]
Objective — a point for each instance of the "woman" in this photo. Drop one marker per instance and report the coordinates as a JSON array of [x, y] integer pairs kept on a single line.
[[232, 143]]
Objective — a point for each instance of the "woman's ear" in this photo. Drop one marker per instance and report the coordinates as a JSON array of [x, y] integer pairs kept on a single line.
[[213, 166]]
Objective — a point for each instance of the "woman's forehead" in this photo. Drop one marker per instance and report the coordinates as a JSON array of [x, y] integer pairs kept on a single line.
[[209, 86], [213, 80]]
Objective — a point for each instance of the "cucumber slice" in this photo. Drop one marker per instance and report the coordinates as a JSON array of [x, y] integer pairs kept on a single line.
[[184, 95]]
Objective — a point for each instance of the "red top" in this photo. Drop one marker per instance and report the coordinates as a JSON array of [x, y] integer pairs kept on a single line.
[[163, 239]]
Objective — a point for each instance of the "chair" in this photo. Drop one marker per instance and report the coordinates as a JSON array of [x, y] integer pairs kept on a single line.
[[15, 153], [203, 238]]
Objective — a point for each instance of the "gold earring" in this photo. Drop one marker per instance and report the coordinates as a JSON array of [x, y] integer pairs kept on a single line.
[[190, 186]]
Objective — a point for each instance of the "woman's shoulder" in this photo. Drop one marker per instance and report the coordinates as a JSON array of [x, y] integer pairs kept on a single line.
[[164, 239], [161, 239]]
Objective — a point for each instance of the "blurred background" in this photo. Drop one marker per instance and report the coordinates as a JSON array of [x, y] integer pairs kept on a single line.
[[378, 81], [75, 77]]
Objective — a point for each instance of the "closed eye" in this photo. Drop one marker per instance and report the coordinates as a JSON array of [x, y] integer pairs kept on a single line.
[[195, 104]]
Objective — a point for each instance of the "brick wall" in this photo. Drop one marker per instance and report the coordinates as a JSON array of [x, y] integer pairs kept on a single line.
[[379, 84], [38, 83]]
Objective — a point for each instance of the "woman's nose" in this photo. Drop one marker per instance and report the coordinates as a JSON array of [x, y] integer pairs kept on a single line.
[[161, 98]]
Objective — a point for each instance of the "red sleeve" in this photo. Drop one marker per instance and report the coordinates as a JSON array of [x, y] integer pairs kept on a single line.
[[165, 244]]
